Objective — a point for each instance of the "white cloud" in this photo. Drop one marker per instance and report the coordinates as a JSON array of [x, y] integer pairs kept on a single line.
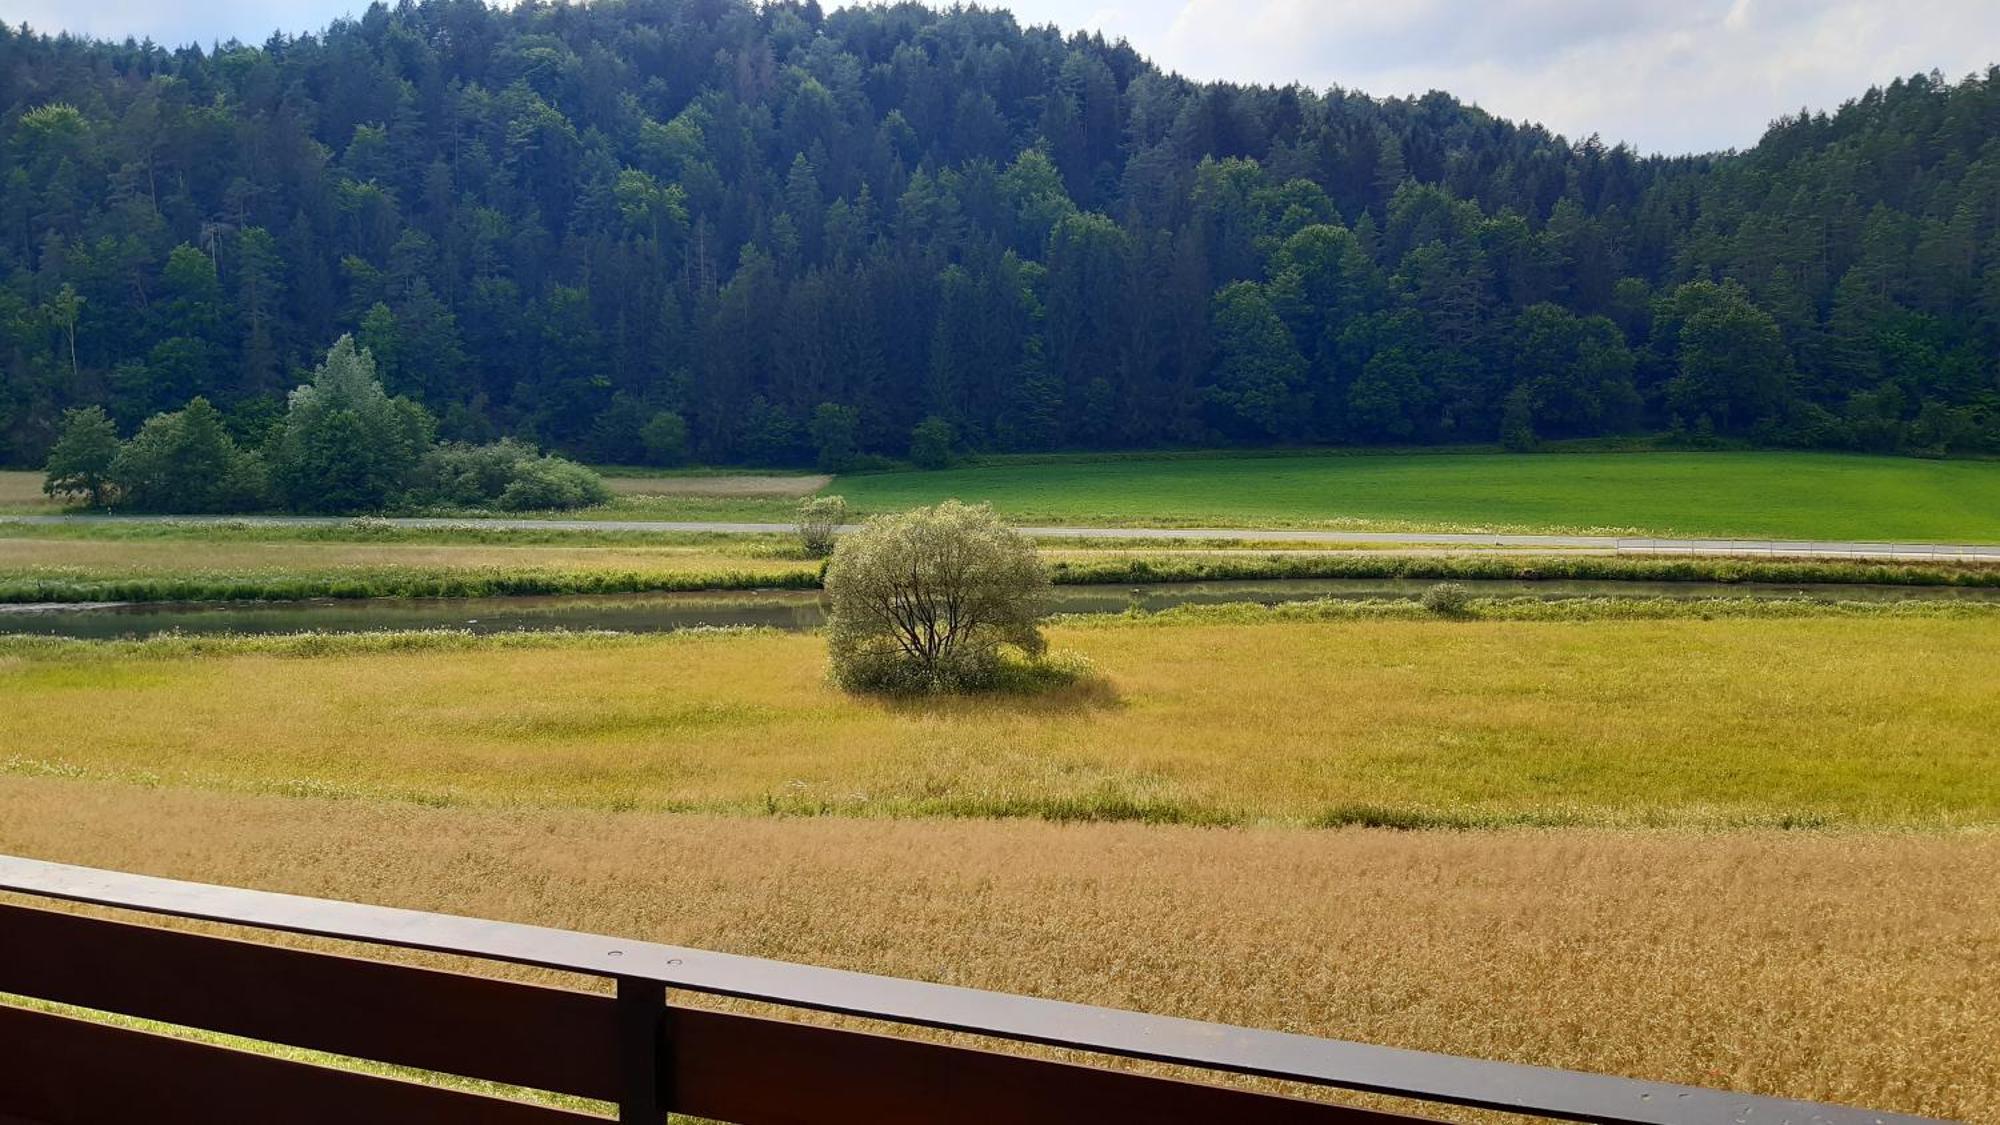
[[1666, 75], [1689, 76]]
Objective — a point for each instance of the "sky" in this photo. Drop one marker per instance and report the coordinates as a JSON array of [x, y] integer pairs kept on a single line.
[[1668, 76]]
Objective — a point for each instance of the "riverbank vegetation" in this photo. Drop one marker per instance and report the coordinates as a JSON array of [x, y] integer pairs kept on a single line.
[[254, 562]]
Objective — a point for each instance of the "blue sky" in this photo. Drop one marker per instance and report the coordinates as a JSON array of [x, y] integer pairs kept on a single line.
[[1665, 75]]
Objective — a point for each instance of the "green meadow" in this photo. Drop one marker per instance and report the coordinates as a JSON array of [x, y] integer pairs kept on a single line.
[[1709, 494], [1791, 495]]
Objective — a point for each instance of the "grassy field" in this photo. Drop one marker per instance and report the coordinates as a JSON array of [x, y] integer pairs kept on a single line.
[[1794, 495], [150, 563], [192, 557], [1741, 843], [1851, 967], [190, 561], [628, 482], [71, 570], [22, 492], [1800, 495], [1806, 719]]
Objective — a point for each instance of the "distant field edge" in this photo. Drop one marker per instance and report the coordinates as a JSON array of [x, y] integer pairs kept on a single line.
[[1279, 452]]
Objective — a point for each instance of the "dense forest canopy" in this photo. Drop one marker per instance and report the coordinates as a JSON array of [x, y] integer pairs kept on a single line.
[[656, 229]]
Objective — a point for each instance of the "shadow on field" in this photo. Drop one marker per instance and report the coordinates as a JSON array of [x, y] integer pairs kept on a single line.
[[1071, 697]]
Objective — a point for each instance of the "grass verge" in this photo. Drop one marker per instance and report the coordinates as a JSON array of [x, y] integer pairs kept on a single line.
[[141, 572]]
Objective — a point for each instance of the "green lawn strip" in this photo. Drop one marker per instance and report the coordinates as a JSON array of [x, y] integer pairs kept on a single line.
[[1720, 494]]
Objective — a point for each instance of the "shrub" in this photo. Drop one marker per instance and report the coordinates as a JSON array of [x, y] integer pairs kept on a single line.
[[544, 483], [1448, 599], [931, 443], [460, 475], [665, 436], [835, 431], [505, 474], [819, 520], [187, 462], [925, 601]]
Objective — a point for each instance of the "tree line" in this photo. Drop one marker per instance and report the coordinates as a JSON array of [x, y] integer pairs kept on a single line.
[[343, 445], [646, 231]]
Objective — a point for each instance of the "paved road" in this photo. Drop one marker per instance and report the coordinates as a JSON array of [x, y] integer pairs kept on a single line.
[[1624, 545]]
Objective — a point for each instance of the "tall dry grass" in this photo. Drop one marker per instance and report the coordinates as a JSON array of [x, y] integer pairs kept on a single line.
[[1725, 722], [1851, 967], [22, 491]]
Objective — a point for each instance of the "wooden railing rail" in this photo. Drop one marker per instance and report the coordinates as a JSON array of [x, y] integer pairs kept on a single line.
[[635, 1050]]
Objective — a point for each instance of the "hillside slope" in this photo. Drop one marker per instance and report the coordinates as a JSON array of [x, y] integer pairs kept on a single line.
[[793, 234]]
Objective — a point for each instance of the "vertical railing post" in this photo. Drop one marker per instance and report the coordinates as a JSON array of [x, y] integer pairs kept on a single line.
[[641, 1016]]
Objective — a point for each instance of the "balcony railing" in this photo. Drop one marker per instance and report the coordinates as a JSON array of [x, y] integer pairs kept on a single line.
[[636, 1049]]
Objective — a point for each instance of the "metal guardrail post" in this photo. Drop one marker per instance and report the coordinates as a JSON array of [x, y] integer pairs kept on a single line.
[[641, 1016]]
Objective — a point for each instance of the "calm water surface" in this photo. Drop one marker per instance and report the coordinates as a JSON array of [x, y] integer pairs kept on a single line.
[[791, 609]]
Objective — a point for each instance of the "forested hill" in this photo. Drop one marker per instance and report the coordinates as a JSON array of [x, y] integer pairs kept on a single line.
[[804, 234]]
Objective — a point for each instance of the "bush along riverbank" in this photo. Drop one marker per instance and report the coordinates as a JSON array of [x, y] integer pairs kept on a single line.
[[501, 582], [1515, 568], [389, 584]]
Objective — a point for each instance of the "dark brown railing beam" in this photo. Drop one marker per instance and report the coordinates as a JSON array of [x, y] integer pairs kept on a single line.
[[638, 1054], [1538, 1091], [62, 1070], [478, 1027]]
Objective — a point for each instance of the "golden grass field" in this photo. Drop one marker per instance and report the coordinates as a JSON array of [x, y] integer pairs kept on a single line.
[[22, 491], [1808, 720], [1851, 967], [1651, 923]]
